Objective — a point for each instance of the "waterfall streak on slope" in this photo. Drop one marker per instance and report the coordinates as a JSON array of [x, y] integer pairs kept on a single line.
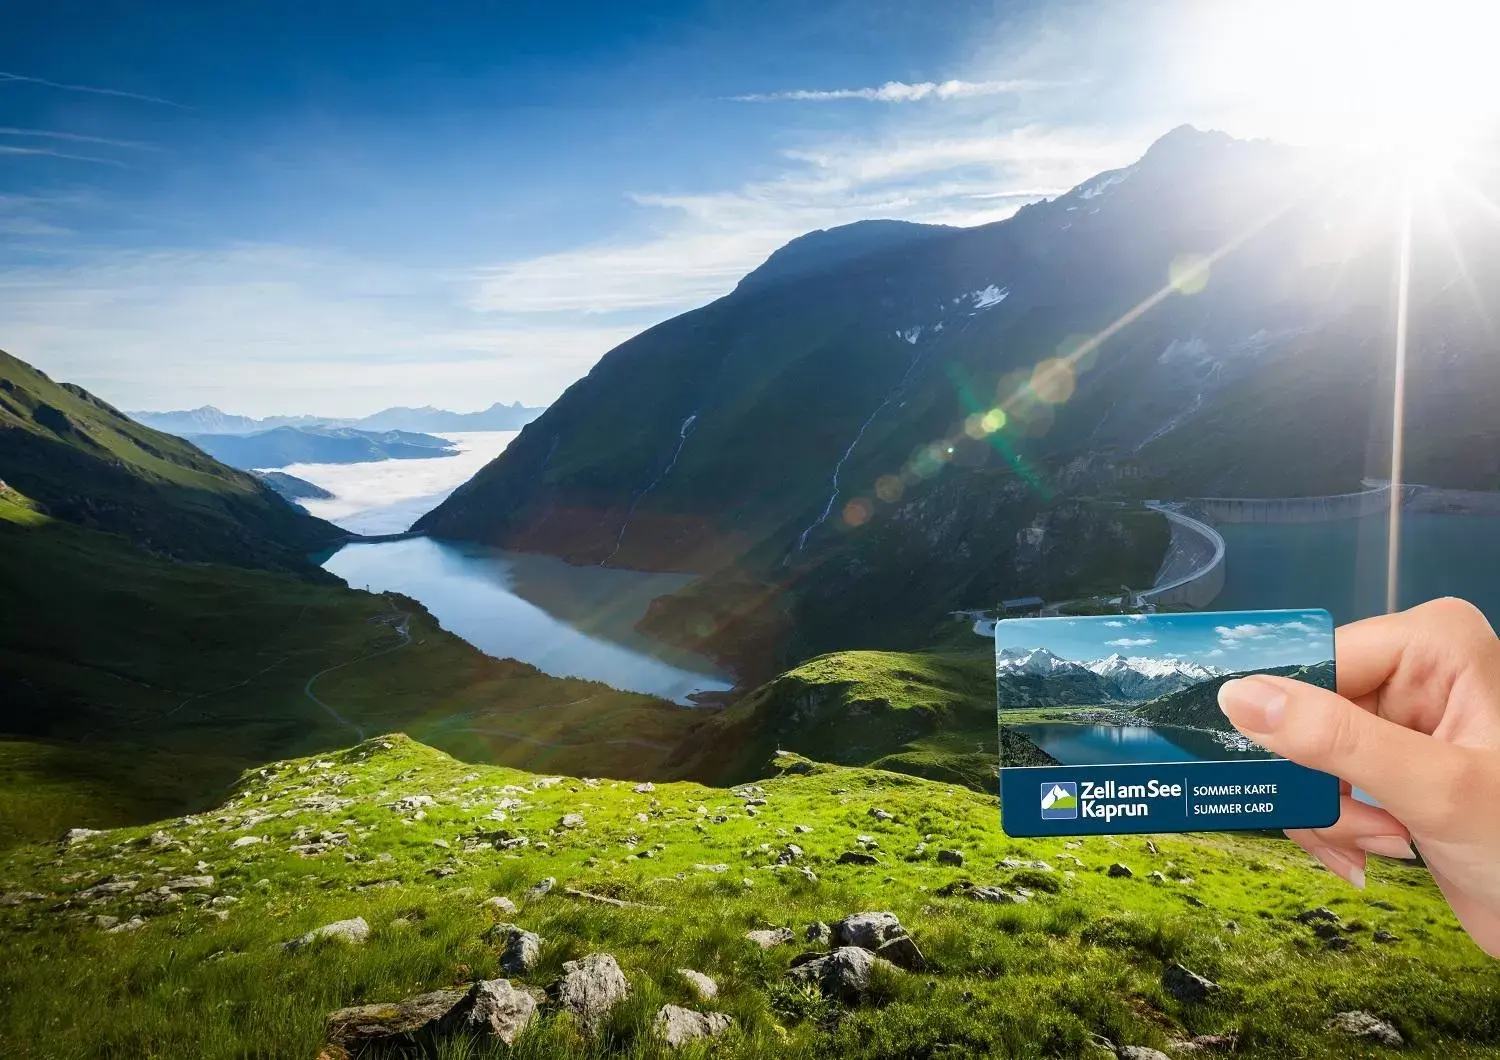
[[838, 468], [682, 437]]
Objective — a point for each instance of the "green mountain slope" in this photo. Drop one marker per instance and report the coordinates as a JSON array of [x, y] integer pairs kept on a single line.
[[931, 714], [205, 974], [319, 445], [1198, 707], [130, 683], [86, 463]]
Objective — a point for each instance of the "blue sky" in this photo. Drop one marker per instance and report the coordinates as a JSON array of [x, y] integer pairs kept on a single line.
[[287, 207], [1229, 640]]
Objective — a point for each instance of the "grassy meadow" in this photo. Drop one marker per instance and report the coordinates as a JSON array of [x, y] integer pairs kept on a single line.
[[207, 976]]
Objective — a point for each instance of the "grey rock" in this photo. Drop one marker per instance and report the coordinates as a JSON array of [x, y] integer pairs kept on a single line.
[[541, 887], [767, 938], [1338, 943], [413, 802], [1325, 930], [355, 931], [996, 895], [189, 883], [17, 897], [843, 975], [500, 904], [950, 857], [109, 886], [1318, 915], [1140, 1052], [857, 857], [868, 931], [1207, 1043], [522, 949], [78, 835], [1359, 1024], [903, 953], [135, 923], [818, 931], [701, 985], [807, 874], [246, 841], [492, 1008], [644, 789], [677, 1026], [789, 853], [390, 1025], [1024, 863], [572, 820], [1119, 870], [1187, 985], [590, 988], [1385, 937], [880, 815], [802, 829]]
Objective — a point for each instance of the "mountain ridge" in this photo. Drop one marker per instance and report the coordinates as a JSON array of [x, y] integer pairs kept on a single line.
[[207, 419]]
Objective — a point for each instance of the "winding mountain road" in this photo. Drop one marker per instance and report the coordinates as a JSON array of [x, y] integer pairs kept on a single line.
[[403, 630]]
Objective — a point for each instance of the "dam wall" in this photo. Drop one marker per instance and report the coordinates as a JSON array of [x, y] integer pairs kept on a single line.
[[1192, 572], [1222, 510]]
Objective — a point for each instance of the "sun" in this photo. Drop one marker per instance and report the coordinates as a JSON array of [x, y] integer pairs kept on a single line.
[[1413, 79]]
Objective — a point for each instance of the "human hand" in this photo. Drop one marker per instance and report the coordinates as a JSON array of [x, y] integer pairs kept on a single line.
[[1416, 724]]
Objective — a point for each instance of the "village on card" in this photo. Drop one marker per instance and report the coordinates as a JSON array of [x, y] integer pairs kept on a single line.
[[1111, 723]]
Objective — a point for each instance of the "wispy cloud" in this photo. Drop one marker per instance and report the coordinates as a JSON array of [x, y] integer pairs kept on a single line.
[[895, 92], [701, 244], [78, 138], [1261, 631], [5, 76], [1131, 642], [47, 152]]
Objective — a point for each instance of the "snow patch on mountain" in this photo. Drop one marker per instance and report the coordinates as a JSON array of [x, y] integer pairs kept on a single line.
[[1099, 185], [988, 296], [1129, 677]]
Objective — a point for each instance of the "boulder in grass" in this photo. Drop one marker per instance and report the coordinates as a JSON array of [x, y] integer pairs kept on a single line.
[[354, 931], [522, 949], [868, 931], [500, 905], [1186, 985], [1359, 1024], [701, 985], [678, 1026], [1120, 871], [590, 988], [766, 938], [394, 1025], [491, 1009], [857, 857], [843, 975], [1140, 1052]]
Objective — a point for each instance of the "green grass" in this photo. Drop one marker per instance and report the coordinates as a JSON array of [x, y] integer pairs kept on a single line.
[[927, 713], [1085, 956]]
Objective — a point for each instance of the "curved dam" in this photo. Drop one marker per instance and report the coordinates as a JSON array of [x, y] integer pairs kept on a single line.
[[1221, 510], [1192, 572]]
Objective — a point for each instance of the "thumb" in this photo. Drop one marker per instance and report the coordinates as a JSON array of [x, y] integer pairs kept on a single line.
[[1415, 777]]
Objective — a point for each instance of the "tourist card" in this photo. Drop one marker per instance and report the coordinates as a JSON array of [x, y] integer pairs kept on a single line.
[[1111, 723]]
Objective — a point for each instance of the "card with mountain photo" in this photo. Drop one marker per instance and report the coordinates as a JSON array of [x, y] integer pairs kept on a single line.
[[1111, 723]]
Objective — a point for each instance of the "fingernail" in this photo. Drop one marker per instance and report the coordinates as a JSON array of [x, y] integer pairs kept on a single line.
[[1341, 865], [1390, 846], [1253, 706]]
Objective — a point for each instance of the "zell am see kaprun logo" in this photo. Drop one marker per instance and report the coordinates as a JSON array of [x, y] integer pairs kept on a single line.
[[1059, 800]]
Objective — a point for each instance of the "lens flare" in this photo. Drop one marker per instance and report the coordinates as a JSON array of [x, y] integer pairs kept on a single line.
[[994, 420], [858, 511], [1188, 273], [889, 488], [1053, 381], [974, 426]]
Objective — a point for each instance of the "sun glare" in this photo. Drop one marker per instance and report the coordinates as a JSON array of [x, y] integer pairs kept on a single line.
[[1414, 79]]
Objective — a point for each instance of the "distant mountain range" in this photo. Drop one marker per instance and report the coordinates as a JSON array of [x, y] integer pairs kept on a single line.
[[319, 445], [209, 420], [1118, 678]]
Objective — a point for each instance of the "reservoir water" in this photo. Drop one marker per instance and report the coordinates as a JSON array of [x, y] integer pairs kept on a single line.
[[1083, 744], [567, 620], [1340, 565]]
